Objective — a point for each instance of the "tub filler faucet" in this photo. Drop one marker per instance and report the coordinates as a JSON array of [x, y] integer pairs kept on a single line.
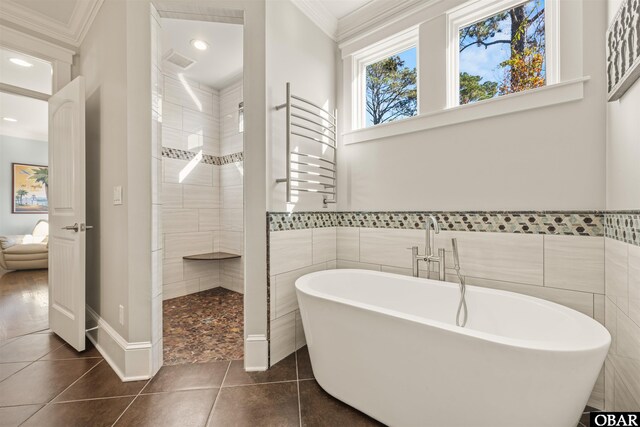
[[428, 255]]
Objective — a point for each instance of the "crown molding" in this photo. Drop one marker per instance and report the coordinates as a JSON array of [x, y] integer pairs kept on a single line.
[[319, 15], [71, 33], [375, 15]]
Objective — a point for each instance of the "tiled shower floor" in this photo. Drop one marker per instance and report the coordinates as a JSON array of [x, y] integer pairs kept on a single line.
[[203, 327]]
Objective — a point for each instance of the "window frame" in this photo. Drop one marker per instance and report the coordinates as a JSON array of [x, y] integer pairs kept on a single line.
[[478, 10], [377, 52]]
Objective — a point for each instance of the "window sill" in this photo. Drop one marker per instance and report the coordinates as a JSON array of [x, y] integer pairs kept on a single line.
[[572, 90]]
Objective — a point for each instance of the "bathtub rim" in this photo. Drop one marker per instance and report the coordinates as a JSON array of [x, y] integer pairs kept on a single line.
[[602, 337]]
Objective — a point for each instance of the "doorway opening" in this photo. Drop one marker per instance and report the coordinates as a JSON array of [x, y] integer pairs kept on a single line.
[[198, 104], [25, 84]]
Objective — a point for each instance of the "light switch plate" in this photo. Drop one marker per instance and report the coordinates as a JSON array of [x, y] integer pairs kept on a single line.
[[117, 195]]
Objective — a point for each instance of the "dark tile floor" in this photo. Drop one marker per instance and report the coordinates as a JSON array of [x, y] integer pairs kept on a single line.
[[203, 327], [24, 303], [43, 382]]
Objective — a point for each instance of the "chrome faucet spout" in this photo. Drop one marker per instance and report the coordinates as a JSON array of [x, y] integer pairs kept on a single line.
[[429, 245], [429, 256]]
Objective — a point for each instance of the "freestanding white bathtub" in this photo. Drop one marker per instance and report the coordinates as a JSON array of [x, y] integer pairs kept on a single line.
[[388, 345]]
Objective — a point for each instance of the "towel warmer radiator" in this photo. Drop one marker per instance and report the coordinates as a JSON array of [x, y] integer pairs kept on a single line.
[[311, 126]]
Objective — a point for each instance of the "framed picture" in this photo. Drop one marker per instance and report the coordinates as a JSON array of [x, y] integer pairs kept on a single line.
[[30, 188]]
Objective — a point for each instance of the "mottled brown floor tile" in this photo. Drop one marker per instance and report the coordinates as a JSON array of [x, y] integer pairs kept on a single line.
[[24, 302], [189, 376], [100, 382], [284, 370], [273, 404], [13, 416], [85, 413], [29, 348], [68, 352], [8, 369], [42, 381], [203, 327], [181, 408], [320, 409], [305, 371], [585, 419]]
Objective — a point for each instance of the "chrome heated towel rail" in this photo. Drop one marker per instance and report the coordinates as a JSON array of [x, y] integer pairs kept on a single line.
[[312, 127]]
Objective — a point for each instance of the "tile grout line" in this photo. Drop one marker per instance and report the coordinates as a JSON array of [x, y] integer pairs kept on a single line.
[[298, 388], [31, 362], [131, 403], [50, 402], [265, 383], [218, 394]]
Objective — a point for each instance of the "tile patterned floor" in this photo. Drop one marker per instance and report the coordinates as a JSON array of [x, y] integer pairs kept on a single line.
[[203, 327], [24, 303], [44, 383]]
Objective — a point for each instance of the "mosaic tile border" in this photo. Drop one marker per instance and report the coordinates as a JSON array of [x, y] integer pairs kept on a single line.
[[175, 153], [569, 223], [623, 226]]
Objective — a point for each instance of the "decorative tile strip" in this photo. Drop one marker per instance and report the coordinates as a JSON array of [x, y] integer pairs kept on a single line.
[[175, 153], [623, 226], [570, 223], [280, 221]]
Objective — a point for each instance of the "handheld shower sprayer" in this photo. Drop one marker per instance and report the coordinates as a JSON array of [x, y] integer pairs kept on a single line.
[[462, 305]]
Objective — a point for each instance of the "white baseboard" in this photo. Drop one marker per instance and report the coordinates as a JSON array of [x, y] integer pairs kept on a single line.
[[256, 353], [131, 361]]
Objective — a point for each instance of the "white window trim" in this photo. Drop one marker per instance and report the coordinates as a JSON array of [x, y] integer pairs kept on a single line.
[[372, 54], [568, 91], [478, 10]]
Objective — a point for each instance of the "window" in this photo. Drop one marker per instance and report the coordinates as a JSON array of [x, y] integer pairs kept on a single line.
[[392, 92], [501, 48], [386, 77]]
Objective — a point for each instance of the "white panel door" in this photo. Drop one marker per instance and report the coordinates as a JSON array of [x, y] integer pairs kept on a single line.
[[67, 214]]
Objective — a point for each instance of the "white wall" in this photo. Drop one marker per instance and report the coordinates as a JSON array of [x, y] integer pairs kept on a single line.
[[18, 150], [622, 309], [118, 154], [543, 159], [300, 53], [623, 148]]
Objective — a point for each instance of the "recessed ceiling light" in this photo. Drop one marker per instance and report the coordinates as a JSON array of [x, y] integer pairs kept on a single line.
[[200, 44], [21, 62], [9, 119]]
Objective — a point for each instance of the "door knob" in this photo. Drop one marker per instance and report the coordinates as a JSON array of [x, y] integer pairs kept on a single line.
[[73, 227]]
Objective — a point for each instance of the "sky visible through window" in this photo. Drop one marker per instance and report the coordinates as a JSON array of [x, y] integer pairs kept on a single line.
[[489, 53], [391, 92]]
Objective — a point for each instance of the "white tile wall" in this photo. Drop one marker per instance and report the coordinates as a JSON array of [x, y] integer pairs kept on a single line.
[[157, 254], [179, 220], [574, 263], [499, 256], [348, 243], [231, 189], [389, 247], [634, 283], [200, 197], [182, 244], [290, 250], [622, 373], [617, 273], [324, 244], [209, 219], [282, 337], [171, 195], [294, 253]]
